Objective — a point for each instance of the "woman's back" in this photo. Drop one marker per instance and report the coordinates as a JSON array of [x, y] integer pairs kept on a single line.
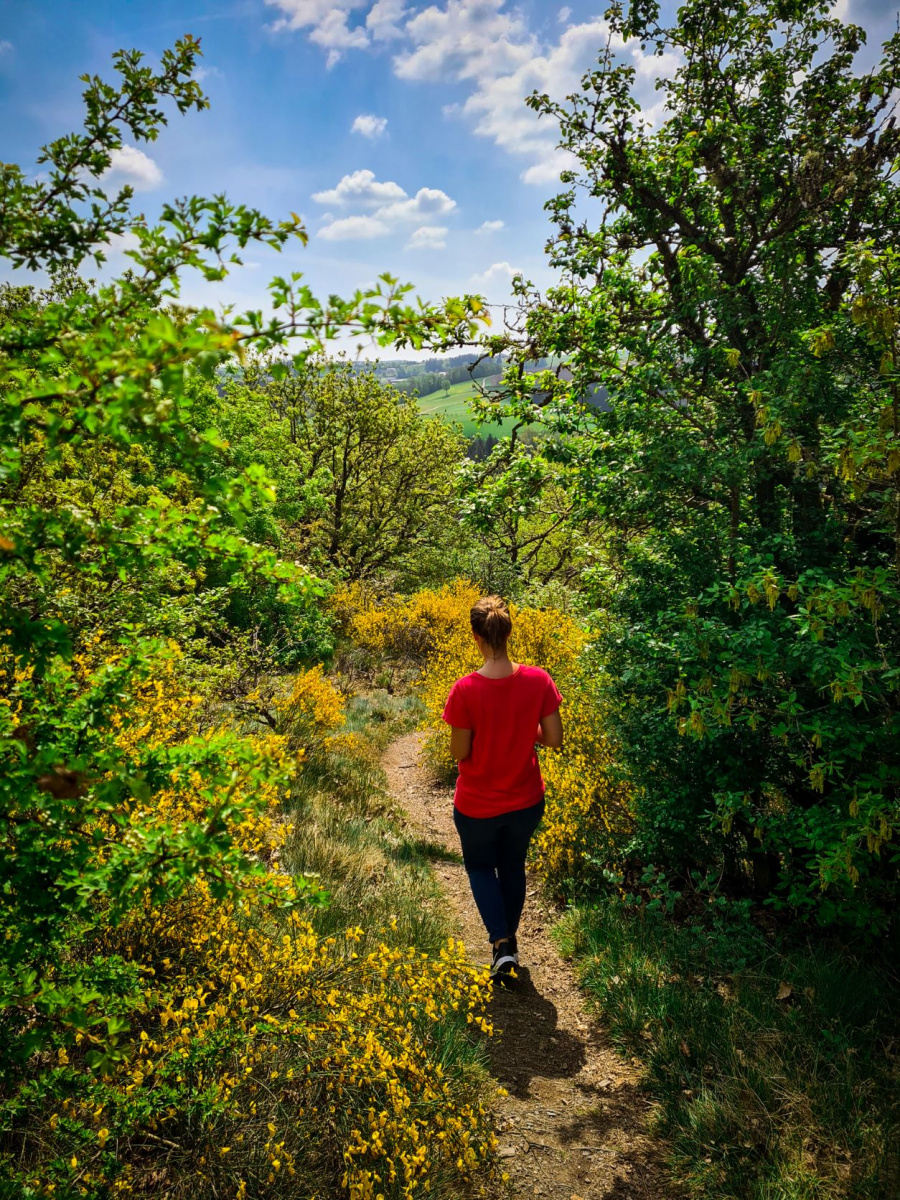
[[501, 773], [496, 716]]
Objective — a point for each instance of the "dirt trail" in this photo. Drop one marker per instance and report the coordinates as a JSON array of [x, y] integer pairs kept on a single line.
[[574, 1124]]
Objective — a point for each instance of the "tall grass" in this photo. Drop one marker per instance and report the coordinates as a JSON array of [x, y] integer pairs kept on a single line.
[[349, 832], [774, 1061]]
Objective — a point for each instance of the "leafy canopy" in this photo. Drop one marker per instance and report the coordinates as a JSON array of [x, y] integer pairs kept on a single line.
[[738, 298]]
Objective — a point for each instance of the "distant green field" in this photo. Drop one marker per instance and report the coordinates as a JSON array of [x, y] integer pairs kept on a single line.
[[455, 407]]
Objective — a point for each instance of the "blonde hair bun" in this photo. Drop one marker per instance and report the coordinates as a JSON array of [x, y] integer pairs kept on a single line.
[[491, 621]]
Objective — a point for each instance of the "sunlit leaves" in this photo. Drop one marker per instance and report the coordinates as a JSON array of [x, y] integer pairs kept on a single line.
[[114, 509]]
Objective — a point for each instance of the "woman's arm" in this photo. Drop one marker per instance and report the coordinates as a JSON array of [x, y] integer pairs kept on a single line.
[[460, 743], [550, 731]]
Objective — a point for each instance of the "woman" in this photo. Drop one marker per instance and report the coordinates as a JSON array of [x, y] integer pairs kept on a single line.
[[496, 715]]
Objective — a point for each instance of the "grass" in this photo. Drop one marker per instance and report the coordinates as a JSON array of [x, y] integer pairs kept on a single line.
[[348, 832], [454, 405], [381, 717], [774, 1063]]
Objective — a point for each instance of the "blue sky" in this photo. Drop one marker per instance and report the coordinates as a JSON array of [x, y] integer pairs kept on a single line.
[[396, 129]]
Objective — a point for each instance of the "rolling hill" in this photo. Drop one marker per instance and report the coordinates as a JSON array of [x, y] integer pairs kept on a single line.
[[454, 405]]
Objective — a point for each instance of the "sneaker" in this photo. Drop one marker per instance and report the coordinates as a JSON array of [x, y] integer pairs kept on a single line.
[[513, 946], [504, 962]]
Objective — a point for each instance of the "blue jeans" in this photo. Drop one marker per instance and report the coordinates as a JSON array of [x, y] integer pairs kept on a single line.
[[494, 850]]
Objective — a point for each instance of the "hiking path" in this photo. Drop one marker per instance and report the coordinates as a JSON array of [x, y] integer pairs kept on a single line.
[[574, 1125]]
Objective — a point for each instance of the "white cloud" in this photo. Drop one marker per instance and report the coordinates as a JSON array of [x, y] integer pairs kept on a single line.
[[490, 227], [489, 46], [497, 274], [427, 202], [120, 243], [356, 228], [335, 33], [369, 126], [202, 73], [389, 208], [467, 38], [128, 165], [300, 14], [5, 46], [328, 20], [383, 21], [361, 188], [498, 108], [386, 208], [547, 169], [428, 237]]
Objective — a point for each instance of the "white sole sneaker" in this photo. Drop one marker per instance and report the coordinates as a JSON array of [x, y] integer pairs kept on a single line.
[[505, 961]]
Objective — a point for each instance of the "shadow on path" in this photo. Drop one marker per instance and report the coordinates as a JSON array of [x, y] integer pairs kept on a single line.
[[532, 1042], [574, 1123]]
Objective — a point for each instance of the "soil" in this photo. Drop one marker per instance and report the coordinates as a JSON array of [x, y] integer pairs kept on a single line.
[[575, 1123]]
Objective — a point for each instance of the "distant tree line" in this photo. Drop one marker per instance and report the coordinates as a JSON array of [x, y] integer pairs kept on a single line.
[[479, 448], [422, 385], [459, 368]]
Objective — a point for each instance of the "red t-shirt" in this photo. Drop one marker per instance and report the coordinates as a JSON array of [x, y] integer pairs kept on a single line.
[[502, 772]]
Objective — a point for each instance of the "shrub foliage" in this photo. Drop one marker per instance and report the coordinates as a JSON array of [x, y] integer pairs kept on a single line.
[[170, 1021]]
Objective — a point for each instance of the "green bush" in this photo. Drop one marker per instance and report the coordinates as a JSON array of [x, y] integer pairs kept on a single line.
[[739, 303]]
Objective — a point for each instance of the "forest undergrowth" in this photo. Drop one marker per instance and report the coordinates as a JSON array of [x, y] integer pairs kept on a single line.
[[773, 1054]]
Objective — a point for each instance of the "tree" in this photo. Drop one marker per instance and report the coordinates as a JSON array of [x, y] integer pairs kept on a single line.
[[749, 471], [364, 478], [104, 378], [520, 506]]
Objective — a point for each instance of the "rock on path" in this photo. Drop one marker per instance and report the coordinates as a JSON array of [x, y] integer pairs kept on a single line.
[[574, 1125]]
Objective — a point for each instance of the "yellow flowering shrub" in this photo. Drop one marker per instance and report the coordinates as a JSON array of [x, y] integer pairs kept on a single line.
[[310, 713], [305, 714], [587, 817], [259, 767], [242, 1053], [587, 810], [400, 628], [281, 1063]]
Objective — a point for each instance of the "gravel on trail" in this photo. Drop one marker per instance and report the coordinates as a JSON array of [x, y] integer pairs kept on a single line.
[[574, 1125]]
